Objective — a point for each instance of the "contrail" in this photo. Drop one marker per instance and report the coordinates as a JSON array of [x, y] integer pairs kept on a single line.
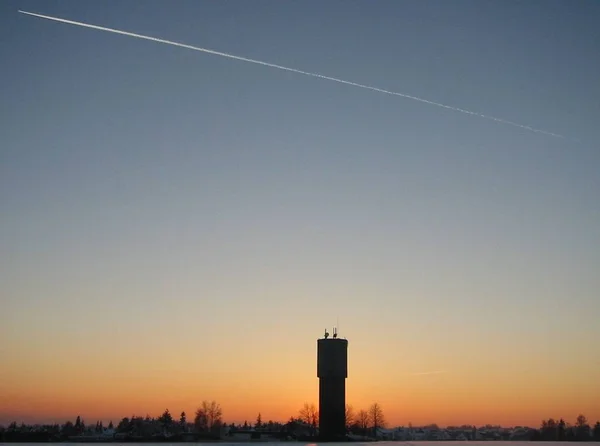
[[293, 70], [436, 372]]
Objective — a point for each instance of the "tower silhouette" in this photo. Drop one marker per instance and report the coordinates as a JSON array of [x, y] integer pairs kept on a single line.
[[332, 371]]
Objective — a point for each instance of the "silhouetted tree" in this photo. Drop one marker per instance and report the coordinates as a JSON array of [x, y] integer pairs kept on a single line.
[[309, 415], [349, 416], [110, 425], [561, 430], [166, 419], [582, 428], [376, 417], [258, 423], [597, 431], [548, 430], [208, 416], [362, 420], [123, 425], [201, 420]]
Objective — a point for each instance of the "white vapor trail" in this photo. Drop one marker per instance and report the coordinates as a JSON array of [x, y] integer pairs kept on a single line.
[[436, 372], [293, 70]]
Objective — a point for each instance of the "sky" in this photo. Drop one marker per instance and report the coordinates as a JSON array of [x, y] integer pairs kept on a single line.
[[178, 226]]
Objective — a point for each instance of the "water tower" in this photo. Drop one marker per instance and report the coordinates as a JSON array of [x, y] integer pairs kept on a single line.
[[332, 371]]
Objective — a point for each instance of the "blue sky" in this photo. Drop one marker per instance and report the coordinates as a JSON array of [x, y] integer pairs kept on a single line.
[[149, 185]]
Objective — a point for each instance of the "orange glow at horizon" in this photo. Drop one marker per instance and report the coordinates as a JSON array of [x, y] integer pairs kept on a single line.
[[58, 392], [102, 374], [511, 412]]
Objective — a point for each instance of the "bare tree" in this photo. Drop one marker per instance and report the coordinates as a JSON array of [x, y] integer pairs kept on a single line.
[[208, 416], [362, 419], [376, 418], [349, 415], [201, 420], [582, 428], [309, 415], [581, 421]]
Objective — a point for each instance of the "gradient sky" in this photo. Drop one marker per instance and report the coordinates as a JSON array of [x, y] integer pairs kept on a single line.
[[177, 226]]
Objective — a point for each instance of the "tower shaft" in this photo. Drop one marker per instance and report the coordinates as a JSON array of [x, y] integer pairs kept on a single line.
[[332, 371]]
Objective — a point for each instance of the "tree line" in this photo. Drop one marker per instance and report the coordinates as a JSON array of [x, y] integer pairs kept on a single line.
[[208, 419], [560, 430]]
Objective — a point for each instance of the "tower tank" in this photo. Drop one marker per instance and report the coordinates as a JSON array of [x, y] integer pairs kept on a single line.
[[332, 371]]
